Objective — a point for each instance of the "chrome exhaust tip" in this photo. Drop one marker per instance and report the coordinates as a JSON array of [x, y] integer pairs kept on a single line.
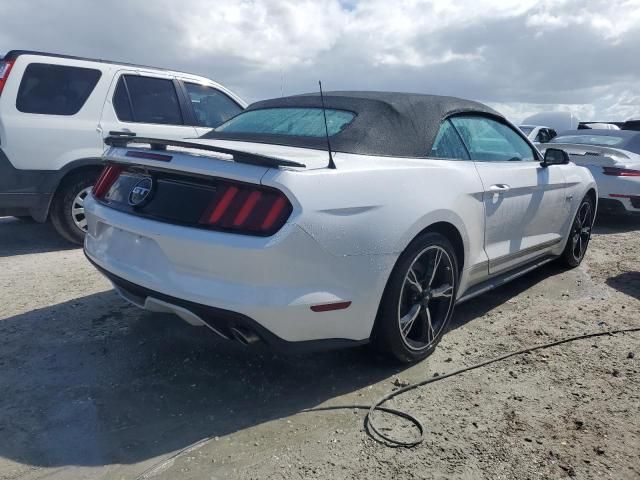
[[244, 336]]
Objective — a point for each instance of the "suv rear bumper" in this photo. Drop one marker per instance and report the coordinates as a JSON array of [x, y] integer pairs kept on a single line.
[[25, 192], [35, 205]]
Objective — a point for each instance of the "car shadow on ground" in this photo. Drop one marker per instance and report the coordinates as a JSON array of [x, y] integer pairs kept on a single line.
[[627, 283], [21, 237], [480, 305], [93, 381], [607, 224]]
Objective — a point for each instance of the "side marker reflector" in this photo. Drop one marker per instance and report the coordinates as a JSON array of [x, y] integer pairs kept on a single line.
[[327, 307]]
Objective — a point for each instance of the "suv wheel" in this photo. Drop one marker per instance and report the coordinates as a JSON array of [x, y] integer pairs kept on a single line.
[[67, 209], [419, 299]]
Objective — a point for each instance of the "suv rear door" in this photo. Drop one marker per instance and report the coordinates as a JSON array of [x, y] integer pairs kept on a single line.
[[147, 105]]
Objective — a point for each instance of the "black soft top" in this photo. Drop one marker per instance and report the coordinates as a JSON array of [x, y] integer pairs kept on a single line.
[[386, 123]]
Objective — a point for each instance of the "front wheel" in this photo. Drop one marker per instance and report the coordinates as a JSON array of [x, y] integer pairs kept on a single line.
[[580, 234], [419, 299]]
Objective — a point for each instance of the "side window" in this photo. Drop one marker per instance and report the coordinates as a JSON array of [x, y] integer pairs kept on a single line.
[[122, 103], [448, 144], [55, 89], [488, 140], [147, 100], [211, 106], [552, 133]]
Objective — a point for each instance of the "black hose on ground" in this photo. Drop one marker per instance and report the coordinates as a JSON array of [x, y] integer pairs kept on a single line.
[[369, 421], [375, 432]]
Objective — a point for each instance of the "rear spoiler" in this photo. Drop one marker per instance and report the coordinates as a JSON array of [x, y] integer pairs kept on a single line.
[[238, 155], [591, 154]]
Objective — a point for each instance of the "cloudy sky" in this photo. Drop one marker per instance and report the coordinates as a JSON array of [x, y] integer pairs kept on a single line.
[[520, 56]]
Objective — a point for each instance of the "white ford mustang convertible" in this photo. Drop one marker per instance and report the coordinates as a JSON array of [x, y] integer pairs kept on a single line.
[[363, 218]]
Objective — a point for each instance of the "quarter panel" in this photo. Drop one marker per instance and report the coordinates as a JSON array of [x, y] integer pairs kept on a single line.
[[374, 205]]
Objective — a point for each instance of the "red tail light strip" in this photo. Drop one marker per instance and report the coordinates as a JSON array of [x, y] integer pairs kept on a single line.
[[246, 209], [620, 172], [106, 179], [222, 205], [274, 213], [250, 209]]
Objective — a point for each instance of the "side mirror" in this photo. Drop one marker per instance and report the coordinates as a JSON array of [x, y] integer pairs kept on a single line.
[[555, 156]]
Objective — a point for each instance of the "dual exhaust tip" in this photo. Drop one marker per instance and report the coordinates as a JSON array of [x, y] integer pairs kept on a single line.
[[244, 336]]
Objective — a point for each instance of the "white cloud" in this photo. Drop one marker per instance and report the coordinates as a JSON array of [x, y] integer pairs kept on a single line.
[[522, 55]]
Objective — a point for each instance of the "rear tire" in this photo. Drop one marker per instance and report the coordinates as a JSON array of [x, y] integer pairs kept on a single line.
[[67, 212], [579, 235], [419, 299]]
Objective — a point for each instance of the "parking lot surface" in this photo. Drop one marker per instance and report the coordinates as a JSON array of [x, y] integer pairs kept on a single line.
[[93, 388]]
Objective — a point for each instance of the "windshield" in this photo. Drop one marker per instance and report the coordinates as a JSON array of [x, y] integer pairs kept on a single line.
[[604, 140], [526, 130], [301, 122]]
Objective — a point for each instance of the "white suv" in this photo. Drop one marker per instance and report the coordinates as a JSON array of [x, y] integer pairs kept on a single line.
[[55, 111]]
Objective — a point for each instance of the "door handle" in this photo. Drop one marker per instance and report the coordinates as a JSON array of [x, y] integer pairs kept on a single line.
[[118, 133], [499, 187]]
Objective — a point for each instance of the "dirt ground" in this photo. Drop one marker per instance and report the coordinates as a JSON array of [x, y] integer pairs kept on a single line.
[[93, 388]]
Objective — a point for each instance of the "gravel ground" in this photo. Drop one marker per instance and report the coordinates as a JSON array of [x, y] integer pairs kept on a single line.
[[93, 388]]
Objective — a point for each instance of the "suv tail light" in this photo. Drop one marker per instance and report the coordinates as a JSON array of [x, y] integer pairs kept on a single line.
[[5, 68], [106, 179], [620, 172], [247, 209]]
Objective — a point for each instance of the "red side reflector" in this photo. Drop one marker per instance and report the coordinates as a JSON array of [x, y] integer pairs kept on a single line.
[[106, 179], [327, 307]]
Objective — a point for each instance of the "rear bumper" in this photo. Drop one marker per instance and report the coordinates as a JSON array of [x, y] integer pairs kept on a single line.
[[24, 192], [620, 205], [618, 194], [220, 321], [270, 282], [35, 205]]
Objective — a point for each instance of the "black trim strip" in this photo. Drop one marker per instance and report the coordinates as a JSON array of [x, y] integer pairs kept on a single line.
[[499, 261]]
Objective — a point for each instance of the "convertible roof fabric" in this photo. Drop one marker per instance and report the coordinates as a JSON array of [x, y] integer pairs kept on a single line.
[[386, 123]]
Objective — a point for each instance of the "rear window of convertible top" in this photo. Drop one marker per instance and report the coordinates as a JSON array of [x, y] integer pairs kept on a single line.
[[293, 121]]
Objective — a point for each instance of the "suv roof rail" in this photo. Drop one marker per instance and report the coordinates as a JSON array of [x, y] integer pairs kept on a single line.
[[13, 54]]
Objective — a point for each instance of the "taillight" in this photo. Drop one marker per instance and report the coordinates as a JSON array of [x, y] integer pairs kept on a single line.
[[247, 209], [5, 68], [620, 172], [106, 179]]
